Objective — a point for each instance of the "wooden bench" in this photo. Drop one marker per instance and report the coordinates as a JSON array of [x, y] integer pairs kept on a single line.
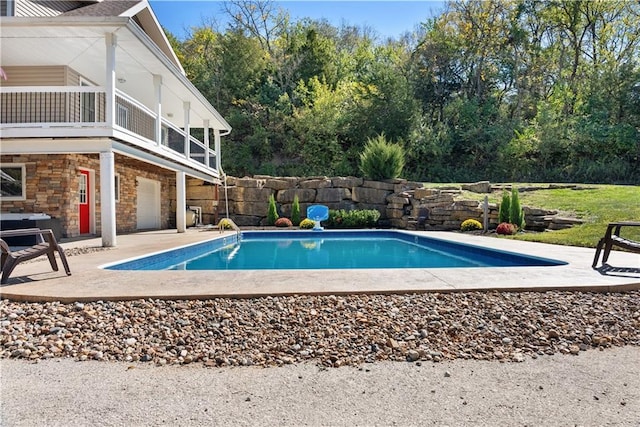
[[612, 238], [46, 244]]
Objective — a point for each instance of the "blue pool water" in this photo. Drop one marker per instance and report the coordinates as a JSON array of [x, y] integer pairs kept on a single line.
[[300, 250]]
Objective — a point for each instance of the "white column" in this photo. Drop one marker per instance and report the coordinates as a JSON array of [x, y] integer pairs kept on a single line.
[[187, 129], [181, 202], [205, 125], [112, 42], [157, 85], [216, 135], [108, 198]]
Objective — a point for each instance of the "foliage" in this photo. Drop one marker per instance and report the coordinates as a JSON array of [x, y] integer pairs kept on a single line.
[[516, 213], [597, 205], [470, 225], [225, 224], [295, 210], [510, 91], [307, 224], [381, 159], [272, 212], [358, 218], [283, 222], [506, 229], [505, 207]]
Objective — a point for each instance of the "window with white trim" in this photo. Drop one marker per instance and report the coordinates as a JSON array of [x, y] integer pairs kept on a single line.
[[13, 181]]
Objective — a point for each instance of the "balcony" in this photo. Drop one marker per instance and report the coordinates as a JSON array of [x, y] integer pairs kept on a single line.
[[81, 111]]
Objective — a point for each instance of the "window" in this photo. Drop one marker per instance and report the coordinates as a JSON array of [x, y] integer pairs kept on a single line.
[[7, 8], [117, 186], [82, 189], [12, 182]]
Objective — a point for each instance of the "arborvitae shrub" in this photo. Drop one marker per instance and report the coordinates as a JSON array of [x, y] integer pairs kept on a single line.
[[516, 215], [505, 208], [295, 210], [272, 213], [381, 159]]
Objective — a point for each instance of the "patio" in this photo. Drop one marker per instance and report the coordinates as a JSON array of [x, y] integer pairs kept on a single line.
[[34, 282]]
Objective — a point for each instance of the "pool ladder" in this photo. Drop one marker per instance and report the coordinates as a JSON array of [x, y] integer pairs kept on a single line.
[[232, 224]]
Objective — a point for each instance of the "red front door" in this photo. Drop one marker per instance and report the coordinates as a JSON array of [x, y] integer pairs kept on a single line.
[[83, 202]]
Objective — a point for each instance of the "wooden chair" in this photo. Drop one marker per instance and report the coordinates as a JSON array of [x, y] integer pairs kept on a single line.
[[612, 237], [46, 244]]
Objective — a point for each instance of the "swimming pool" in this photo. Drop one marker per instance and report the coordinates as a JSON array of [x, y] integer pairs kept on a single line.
[[304, 250]]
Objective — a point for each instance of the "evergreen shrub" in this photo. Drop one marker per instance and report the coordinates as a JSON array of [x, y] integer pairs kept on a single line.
[[516, 214], [381, 159], [295, 210], [505, 208], [272, 213]]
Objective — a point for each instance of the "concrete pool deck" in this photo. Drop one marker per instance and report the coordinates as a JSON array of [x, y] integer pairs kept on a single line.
[[34, 281]]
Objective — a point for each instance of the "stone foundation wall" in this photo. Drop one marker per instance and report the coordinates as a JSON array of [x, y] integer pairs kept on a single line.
[[402, 204]]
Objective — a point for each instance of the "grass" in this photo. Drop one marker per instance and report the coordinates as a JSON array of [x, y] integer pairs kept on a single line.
[[597, 205]]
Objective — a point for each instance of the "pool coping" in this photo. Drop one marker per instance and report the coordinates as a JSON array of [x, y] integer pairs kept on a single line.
[[35, 282]]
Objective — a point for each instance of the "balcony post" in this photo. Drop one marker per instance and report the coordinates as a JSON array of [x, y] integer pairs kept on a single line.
[[110, 113], [205, 125], [187, 129], [181, 202], [157, 85], [108, 198], [216, 135]]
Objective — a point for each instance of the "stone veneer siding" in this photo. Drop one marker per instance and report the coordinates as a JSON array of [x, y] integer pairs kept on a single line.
[[52, 188]]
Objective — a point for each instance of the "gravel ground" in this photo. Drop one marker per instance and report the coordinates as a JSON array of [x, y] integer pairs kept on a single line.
[[329, 330], [155, 356]]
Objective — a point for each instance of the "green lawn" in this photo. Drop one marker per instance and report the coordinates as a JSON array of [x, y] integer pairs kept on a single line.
[[598, 205]]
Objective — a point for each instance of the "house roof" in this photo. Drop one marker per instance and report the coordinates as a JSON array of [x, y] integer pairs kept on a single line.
[[104, 8]]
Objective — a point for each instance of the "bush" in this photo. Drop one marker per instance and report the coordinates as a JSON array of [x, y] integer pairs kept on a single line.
[[295, 210], [516, 214], [471, 225], [506, 229], [381, 159], [225, 224], [307, 224], [272, 213], [505, 208], [283, 222], [363, 218]]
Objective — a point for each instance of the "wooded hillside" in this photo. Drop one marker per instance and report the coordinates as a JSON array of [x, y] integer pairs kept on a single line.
[[508, 90]]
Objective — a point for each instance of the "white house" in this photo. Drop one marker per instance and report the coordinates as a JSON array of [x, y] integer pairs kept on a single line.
[[99, 126]]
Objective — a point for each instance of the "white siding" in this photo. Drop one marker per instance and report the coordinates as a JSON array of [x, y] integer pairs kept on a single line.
[[26, 8]]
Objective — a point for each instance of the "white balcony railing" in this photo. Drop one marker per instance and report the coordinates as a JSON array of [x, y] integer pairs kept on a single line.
[[76, 108]]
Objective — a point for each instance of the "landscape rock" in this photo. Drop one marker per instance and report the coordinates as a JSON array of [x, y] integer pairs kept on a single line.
[[332, 330]]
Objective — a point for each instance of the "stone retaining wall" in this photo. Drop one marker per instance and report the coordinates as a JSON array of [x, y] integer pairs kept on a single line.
[[402, 204]]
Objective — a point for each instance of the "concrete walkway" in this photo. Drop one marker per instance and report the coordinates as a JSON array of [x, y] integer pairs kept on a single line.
[[35, 281]]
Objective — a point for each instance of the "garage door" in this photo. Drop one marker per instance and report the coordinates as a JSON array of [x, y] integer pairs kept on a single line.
[[148, 204]]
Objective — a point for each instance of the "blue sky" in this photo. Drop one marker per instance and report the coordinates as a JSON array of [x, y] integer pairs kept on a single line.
[[387, 18]]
